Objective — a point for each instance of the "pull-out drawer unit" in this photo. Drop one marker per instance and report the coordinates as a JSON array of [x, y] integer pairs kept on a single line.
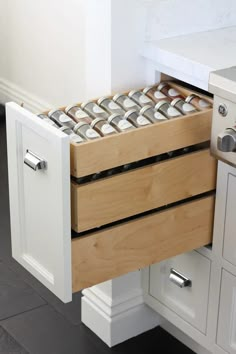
[[120, 223]]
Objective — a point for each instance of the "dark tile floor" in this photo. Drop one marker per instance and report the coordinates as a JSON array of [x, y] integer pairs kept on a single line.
[[34, 321]]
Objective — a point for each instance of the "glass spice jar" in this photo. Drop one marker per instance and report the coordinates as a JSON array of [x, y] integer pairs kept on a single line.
[[140, 98], [155, 94], [77, 114], [94, 110], [61, 119], [119, 123], [75, 138], [184, 107], [136, 119], [125, 102], [153, 115], [45, 118], [198, 102], [169, 91], [103, 127], [83, 129], [110, 106], [167, 110]]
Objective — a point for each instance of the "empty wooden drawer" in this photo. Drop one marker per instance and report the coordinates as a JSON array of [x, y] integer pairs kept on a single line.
[[131, 193]]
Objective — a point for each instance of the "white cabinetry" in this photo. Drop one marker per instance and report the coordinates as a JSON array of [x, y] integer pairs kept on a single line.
[[226, 335], [189, 302]]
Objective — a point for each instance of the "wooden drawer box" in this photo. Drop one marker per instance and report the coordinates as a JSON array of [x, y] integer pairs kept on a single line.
[[138, 229]]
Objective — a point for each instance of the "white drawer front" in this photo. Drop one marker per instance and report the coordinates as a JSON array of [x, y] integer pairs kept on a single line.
[[188, 302], [226, 335], [40, 199]]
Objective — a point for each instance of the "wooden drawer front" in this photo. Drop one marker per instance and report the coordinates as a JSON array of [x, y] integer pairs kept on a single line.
[[189, 302], [121, 249], [146, 188], [139, 144]]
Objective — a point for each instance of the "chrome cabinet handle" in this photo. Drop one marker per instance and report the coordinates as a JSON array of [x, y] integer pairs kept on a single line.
[[179, 279], [34, 161]]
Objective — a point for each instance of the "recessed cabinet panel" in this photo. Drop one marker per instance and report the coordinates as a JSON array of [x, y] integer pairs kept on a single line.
[[226, 336], [182, 284], [39, 181], [229, 249]]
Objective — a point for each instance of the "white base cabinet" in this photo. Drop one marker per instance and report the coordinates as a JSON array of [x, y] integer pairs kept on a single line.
[[190, 300], [206, 310]]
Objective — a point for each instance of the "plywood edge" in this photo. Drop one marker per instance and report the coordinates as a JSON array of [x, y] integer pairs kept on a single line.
[[136, 244]]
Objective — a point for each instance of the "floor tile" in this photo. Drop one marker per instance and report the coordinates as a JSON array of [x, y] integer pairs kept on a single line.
[[70, 311], [8, 345], [44, 331], [15, 295]]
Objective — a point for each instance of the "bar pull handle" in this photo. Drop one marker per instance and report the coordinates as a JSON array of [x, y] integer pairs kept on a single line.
[[179, 279], [34, 161]]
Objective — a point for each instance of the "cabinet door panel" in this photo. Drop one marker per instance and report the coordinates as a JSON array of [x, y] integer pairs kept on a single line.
[[40, 199], [226, 335]]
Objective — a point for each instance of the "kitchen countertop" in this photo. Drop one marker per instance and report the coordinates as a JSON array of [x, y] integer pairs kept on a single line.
[[192, 57]]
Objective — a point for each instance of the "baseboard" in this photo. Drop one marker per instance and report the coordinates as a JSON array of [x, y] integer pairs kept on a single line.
[[11, 92], [127, 320]]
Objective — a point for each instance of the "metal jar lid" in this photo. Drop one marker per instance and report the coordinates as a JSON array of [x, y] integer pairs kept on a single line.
[[131, 93], [147, 89], [115, 98], [63, 129], [84, 104], [173, 103], [131, 111], [102, 99], [162, 84], [95, 121], [79, 125], [114, 115], [68, 108], [53, 111], [190, 97], [145, 108], [161, 103]]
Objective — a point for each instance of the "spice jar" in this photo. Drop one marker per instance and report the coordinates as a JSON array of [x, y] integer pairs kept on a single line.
[[45, 118], [155, 94], [102, 127], [153, 115], [136, 119], [77, 114], [83, 129], [119, 123], [184, 107], [140, 98], [75, 138], [198, 102], [61, 119], [169, 91], [94, 110], [110, 106], [169, 111], [125, 102]]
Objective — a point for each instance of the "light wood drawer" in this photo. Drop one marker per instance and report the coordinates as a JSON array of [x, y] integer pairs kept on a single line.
[[105, 201], [135, 244]]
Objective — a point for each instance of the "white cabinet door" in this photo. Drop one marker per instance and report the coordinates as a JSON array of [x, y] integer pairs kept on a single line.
[[40, 199], [188, 302], [229, 249], [226, 336]]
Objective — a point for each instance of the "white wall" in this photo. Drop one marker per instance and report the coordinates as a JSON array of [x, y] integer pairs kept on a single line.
[[42, 50], [56, 52]]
